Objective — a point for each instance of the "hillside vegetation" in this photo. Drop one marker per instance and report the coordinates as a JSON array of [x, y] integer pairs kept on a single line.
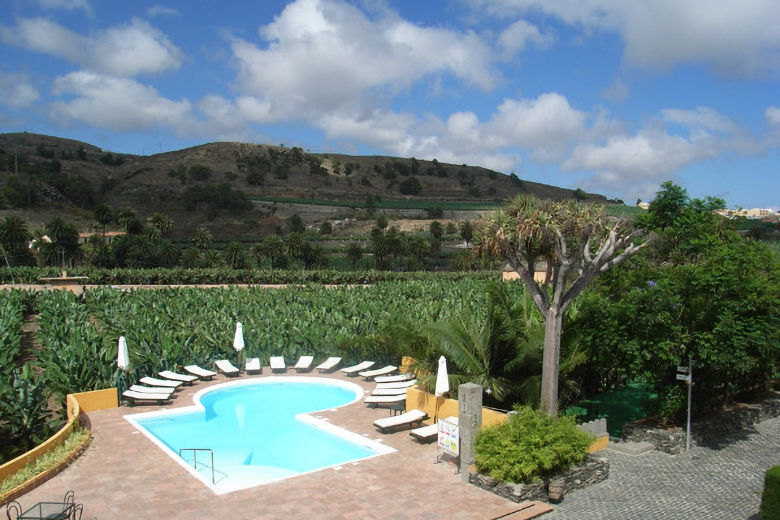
[[240, 190]]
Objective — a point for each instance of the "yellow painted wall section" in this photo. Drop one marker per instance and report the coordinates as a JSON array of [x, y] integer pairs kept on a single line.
[[445, 407], [97, 400], [599, 444], [406, 362]]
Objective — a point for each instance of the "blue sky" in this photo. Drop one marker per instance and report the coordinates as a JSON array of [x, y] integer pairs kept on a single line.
[[609, 96]]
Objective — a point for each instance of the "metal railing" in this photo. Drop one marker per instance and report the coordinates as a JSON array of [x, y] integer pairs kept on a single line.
[[195, 459]]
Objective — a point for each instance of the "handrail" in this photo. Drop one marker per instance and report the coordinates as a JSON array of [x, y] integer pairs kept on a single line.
[[195, 459]]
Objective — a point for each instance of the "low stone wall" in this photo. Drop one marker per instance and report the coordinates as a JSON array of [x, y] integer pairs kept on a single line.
[[593, 470], [710, 431]]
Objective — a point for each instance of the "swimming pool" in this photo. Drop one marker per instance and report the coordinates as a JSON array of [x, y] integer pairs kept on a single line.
[[259, 431]]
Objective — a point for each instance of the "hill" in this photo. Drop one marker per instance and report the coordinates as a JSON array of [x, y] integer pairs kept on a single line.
[[241, 190]]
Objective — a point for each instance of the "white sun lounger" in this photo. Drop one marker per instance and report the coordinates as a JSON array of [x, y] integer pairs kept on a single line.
[[227, 368], [202, 373], [430, 432], [395, 379], [375, 400], [304, 363], [134, 397], [400, 384], [329, 364], [253, 365], [151, 389], [153, 381], [389, 391], [353, 370], [175, 376], [277, 364], [370, 374], [405, 419]]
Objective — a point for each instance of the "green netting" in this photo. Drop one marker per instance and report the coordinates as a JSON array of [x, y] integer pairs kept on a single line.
[[618, 406]]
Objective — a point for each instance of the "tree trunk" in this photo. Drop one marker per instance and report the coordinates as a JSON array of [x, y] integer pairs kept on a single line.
[[553, 325]]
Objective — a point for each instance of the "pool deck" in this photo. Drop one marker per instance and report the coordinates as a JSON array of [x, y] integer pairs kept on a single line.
[[124, 475]]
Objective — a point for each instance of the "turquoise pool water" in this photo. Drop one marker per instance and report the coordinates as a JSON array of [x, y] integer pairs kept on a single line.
[[259, 430]]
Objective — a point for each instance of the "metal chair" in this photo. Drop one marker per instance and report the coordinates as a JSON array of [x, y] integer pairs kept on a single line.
[[75, 513], [70, 497], [14, 506]]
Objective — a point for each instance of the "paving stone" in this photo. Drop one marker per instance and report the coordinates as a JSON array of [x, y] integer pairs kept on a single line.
[[631, 448], [703, 483]]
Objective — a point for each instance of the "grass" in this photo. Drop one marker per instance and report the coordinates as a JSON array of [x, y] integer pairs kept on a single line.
[[78, 437]]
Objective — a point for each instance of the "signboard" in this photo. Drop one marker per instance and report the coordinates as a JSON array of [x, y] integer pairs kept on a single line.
[[449, 436], [683, 377], [681, 368]]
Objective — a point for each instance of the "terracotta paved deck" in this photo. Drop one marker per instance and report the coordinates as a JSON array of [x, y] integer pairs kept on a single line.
[[124, 475]]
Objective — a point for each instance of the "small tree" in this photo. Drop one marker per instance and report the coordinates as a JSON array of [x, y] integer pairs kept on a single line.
[[466, 231], [354, 253], [202, 238], [577, 241], [104, 215]]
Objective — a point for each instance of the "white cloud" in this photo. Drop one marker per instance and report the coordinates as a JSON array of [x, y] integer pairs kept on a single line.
[[16, 91], [325, 55], [734, 36], [773, 115], [64, 4], [124, 50], [617, 92], [700, 118], [518, 35], [161, 10], [118, 104]]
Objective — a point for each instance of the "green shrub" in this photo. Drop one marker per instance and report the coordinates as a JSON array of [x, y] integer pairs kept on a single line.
[[770, 500], [529, 446]]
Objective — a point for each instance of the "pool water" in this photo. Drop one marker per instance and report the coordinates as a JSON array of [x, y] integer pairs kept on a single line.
[[260, 431]]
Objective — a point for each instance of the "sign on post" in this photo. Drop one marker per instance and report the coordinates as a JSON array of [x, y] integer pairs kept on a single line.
[[687, 376], [449, 438], [683, 377]]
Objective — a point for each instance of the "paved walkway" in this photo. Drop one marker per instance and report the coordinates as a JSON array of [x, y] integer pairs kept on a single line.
[[703, 483], [124, 475]]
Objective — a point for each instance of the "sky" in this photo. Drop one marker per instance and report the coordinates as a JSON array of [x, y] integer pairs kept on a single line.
[[609, 96]]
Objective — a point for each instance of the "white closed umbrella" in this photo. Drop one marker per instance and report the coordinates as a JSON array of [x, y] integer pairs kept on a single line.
[[238, 340], [122, 357], [442, 380]]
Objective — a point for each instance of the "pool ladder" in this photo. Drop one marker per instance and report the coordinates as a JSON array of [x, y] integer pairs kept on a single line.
[[195, 459]]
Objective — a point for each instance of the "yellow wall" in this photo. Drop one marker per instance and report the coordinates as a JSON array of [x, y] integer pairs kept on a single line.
[[96, 400], [444, 407]]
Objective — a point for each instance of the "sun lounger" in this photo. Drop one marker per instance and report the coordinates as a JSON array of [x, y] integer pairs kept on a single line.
[[304, 363], [151, 389], [253, 365], [396, 421], [277, 364], [227, 368], [175, 376], [400, 384], [395, 379], [202, 373], [153, 381], [329, 364], [370, 374], [430, 432], [353, 370], [389, 391], [134, 397], [376, 400]]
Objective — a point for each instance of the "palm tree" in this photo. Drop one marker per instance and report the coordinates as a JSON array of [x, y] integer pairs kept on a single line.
[[201, 238], [128, 219], [159, 224], [14, 238], [104, 215]]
